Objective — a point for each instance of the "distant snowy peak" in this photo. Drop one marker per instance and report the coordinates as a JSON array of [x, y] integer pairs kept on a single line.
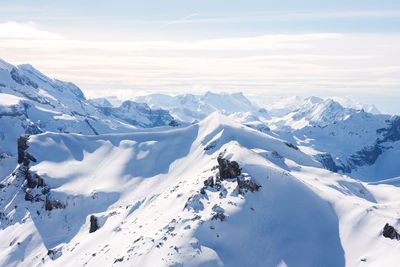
[[284, 106], [189, 107], [349, 103], [32, 103], [311, 111], [142, 115]]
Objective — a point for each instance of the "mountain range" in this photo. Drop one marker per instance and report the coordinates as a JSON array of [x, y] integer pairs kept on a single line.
[[193, 180]]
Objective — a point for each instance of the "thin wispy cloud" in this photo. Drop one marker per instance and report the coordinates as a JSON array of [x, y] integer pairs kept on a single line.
[[181, 20], [291, 62]]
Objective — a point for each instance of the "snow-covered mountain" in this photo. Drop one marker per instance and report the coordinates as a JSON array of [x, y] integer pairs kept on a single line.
[[191, 107], [351, 141], [299, 182], [343, 138], [213, 193], [31, 103]]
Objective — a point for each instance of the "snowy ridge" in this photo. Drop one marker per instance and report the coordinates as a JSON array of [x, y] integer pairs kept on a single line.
[[155, 204], [31, 103], [193, 180], [191, 107]]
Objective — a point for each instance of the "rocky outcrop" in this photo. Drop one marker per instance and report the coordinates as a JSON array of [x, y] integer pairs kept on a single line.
[[35, 188], [291, 145], [218, 216], [390, 232], [53, 204], [94, 225], [21, 79], [246, 184], [228, 169], [209, 182], [327, 161]]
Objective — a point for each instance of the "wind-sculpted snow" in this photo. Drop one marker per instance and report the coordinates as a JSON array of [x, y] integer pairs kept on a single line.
[[31, 103], [158, 200], [225, 183]]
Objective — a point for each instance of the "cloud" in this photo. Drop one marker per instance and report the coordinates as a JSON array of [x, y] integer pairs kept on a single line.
[[25, 31], [273, 16], [181, 20], [289, 63]]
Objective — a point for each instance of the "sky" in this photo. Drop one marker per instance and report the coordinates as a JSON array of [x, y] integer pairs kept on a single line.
[[273, 48]]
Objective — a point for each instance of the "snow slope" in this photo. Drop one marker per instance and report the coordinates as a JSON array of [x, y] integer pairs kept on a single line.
[[31, 103], [191, 107], [151, 195], [343, 138]]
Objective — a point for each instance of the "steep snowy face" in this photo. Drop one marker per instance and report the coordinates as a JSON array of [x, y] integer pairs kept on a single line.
[[343, 139], [191, 108], [312, 111], [213, 193], [140, 114], [31, 103]]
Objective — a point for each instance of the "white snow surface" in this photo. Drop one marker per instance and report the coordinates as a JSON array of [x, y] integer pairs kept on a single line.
[[145, 190], [145, 174]]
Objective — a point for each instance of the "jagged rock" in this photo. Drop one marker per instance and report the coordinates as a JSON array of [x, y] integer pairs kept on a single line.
[[31, 198], [228, 169], [327, 161], [119, 260], [194, 203], [53, 204], [28, 197], [34, 180], [22, 146], [276, 155], [218, 216], [291, 146], [54, 253], [209, 182], [245, 185], [390, 232], [93, 224], [211, 145], [173, 123]]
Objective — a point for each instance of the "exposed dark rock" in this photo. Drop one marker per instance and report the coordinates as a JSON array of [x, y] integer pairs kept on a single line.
[[228, 169], [91, 127], [218, 216], [390, 232], [34, 180], [22, 146], [291, 145], [392, 133], [54, 253], [31, 198], [329, 164], [276, 155], [53, 204], [93, 224], [367, 155], [211, 145], [173, 123], [28, 197], [245, 185], [119, 260], [209, 182]]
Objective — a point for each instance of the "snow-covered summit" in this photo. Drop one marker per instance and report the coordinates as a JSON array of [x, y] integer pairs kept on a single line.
[[189, 107], [31, 103], [213, 193]]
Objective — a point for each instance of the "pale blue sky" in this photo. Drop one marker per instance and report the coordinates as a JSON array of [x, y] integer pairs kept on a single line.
[[291, 47]]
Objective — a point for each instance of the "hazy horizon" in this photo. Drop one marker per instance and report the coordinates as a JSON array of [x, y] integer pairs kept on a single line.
[[128, 48]]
